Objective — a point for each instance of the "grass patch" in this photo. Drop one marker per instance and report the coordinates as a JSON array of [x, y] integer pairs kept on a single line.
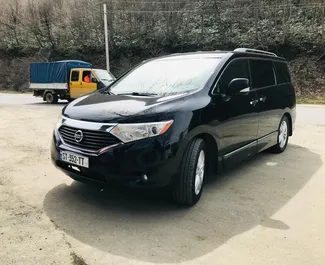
[[316, 100]]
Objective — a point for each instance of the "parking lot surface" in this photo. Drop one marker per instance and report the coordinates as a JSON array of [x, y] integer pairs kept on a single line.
[[268, 210]]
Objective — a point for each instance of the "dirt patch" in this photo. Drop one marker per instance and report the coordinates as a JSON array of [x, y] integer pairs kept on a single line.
[[77, 260]]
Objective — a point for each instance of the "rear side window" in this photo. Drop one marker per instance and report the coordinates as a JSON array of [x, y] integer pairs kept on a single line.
[[282, 72], [262, 73], [75, 76], [236, 69]]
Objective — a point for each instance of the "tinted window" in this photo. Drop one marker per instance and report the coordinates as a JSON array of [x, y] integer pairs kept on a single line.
[[236, 69], [167, 76], [75, 76], [262, 73], [282, 71]]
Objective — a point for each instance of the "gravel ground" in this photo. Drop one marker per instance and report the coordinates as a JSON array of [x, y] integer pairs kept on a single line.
[[269, 210]]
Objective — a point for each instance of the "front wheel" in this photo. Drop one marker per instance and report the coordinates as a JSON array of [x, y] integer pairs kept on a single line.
[[188, 186], [283, 136]]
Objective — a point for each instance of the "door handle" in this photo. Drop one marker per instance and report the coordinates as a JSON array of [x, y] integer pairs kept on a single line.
[[262, 99], [254, 102]]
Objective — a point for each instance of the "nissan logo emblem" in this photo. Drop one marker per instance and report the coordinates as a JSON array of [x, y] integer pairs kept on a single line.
[[78, 136]]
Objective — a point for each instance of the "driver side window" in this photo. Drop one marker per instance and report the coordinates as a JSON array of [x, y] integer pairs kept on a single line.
[[236, 69], [87, 76]]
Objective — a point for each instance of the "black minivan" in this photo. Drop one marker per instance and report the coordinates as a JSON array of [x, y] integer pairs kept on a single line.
[[169, 120]]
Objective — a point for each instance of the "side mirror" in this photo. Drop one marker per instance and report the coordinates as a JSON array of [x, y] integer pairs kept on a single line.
[[94, 80], [238, 85]]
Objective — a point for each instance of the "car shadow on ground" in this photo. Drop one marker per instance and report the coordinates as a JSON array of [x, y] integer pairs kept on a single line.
[[146, 227]]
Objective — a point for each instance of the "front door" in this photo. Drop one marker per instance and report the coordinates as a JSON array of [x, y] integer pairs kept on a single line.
[[236, 116], [88, 83]]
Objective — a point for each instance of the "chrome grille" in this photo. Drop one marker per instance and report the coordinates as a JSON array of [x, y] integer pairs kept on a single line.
[[92, 140]]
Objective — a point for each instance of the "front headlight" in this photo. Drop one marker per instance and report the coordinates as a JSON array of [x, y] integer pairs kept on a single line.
[[136, 131]]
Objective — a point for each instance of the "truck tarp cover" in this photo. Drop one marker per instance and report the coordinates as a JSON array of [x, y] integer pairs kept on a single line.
[[54, 72]]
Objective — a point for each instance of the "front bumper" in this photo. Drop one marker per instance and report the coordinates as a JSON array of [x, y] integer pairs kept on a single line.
[[125, 163]]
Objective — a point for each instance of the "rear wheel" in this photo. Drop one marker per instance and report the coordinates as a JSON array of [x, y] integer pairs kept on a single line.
[[188, 187], [51, 98], [283, 136]]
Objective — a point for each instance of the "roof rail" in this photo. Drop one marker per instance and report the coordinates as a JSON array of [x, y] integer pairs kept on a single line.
[[255, 51]]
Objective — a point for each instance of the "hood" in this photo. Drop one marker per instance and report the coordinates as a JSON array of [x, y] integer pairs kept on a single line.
[[99, 107]]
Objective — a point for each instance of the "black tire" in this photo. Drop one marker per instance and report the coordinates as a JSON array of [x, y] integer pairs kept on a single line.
[[281, 146], [70, 99], [184, 186], [51, 98]]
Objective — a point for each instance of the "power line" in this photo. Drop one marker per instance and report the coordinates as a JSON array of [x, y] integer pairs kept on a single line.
[[166, 2], [188, 3], [204, 11]]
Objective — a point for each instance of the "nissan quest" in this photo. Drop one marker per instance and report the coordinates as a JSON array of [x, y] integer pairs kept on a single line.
[[170, 121]]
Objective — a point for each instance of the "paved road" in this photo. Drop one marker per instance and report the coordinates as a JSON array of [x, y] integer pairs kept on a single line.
[[269, 210], [22, 99]]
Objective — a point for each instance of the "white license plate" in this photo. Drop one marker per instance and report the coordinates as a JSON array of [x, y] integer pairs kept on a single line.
[[74, 159]]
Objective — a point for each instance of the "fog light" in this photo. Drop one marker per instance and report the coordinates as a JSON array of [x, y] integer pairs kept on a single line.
[[144, 178], [75, 168]]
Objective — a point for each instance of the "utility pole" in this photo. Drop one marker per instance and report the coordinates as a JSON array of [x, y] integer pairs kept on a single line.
[[106, 37]]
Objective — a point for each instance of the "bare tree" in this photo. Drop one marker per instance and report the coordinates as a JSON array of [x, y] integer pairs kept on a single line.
[[11, 21]]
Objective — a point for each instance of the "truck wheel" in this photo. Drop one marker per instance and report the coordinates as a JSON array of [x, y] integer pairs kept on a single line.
[[51, 98], [188, 187]]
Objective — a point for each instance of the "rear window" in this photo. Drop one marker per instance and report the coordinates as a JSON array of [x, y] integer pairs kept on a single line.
[[262, 73], [282, 72]]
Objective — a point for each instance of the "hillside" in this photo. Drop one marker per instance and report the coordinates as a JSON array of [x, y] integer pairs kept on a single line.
[[46, 30]]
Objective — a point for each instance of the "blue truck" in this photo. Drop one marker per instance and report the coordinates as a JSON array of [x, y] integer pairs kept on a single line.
[[66, 80]]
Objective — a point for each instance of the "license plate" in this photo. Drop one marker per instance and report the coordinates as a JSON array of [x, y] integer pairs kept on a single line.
[[74, 159]]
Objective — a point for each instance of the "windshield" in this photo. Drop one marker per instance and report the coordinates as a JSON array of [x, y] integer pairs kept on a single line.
[[167, 76], [103, 75]]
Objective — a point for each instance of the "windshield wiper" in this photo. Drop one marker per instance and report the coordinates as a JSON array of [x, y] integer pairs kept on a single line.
[[138, 94], [105, 91]]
